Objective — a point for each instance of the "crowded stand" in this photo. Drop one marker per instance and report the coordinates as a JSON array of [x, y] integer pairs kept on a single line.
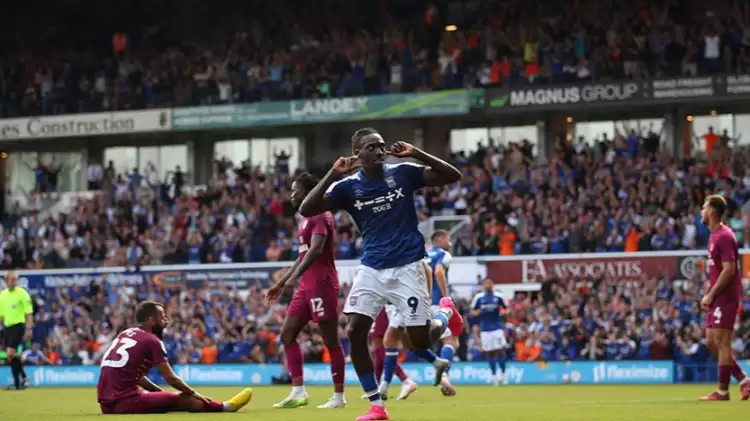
[[645, 200], [245, 216], [621, 192], [337, 48]]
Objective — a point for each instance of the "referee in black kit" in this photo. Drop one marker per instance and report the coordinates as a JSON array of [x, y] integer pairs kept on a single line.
[[16, 315]]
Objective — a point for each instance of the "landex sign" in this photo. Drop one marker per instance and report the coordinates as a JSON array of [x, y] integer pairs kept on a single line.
[[312, 108], [97, 124]]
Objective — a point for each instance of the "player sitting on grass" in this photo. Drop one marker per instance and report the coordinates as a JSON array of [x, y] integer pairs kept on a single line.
[[132, 354], [316, 299]]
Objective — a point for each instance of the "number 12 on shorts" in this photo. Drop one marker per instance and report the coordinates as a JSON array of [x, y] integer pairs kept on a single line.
[[317, 306]]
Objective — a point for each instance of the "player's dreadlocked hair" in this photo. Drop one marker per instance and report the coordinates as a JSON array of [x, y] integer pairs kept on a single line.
[[145, 311], [307, 181], [359, 134]]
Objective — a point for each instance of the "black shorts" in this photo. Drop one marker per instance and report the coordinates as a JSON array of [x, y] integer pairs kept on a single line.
[[13, 335]]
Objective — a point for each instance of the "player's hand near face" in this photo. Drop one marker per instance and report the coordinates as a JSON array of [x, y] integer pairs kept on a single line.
[[437, 173], [345, 165], [402, 150]]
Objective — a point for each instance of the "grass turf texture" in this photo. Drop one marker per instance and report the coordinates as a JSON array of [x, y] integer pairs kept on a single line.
[[473, 403]]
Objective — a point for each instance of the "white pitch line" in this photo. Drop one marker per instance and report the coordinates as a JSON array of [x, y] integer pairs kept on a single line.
[[572, 403]]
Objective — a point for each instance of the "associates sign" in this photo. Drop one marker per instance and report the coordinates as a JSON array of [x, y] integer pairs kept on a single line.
[[619, 266], [81, 125]]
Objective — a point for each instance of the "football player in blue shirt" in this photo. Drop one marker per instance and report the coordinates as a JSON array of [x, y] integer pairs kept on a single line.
[[439, 259], [487, 306], [379, 197]]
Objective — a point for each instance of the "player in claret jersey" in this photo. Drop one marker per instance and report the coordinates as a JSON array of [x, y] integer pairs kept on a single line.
[[722, 297], [132, 354], [315, 300], [379, 197]]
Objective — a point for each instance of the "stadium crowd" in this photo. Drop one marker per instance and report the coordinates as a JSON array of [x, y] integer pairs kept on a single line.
[[244, 215], [283, 50], [617, 193], [614, 194]]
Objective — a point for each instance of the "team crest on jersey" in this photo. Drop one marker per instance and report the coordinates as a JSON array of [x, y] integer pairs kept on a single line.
[[390, 181], [358, 192], [353, 300]]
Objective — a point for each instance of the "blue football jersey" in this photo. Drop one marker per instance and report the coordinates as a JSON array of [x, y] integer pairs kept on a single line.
[[489, 306], [384, 212], [437, 256]]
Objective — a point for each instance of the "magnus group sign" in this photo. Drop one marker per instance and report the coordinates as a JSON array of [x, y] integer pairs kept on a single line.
[[564, 95], [571, 95], [659, 91]]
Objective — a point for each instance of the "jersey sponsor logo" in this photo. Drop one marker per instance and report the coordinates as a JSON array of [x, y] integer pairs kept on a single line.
[[380, 203], [491, 306]]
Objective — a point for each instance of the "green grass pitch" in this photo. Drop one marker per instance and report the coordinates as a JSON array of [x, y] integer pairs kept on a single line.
[[473, 403]]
